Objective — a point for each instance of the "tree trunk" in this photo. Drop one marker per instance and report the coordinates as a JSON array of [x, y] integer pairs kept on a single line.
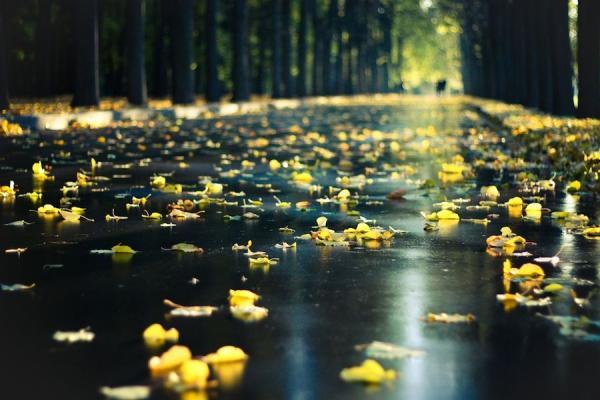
[[161, 68], [545, 65], [339, 58], [87, 89], [241, 90], [286, 49], [136, 93], [532, 57], [350, 25], [588, 58], [182, 27], [276, 49], [261, 63], [43, 50], [328, 73], [212, 57], [317, 31], [561, 58], [386, 25], [302, 35], [4, 105]]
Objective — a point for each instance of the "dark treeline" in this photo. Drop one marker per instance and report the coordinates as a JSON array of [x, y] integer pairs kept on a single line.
[[516, 51], [519, 51], [184, 48]]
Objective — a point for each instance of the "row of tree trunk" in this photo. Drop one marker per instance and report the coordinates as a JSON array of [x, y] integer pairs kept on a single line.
[[520, 52], [343, 47]]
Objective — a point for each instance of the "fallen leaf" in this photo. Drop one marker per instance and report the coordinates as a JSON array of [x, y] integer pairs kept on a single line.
[[82, 335], [126, 392], [226, 354], [388, 350], [370, 372], [170, 359]]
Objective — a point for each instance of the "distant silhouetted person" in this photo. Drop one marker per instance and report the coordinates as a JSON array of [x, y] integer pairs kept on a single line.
[[440, 87], [401, 87]]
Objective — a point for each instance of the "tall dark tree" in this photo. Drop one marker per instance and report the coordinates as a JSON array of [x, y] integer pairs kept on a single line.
[[44, 48], [276, 48], [328, 64], [349, 46], [518, 38], [87, 88], [317, 32], [137, 93], [546, 83], [162, 12], [386, 27], [212, 57], [302, 48], [532, 56], [588, 58], [260, 70], [561, 58], [3, 74], [286, 49], [182, 28], [241, 90], [340, 48]]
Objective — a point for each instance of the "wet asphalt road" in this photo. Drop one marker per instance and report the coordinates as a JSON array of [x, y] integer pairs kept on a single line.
[[322, 300]]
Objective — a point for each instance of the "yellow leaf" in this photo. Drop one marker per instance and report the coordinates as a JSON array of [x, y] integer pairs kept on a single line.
[[38, 169], [371, 235], [226, 354], [48, 209], [447, 214], [322, 222], [155, 335], [515, 202], [302, 177], [274, 165], [158, 182], [194, 372], [449, 168], [343, 195], [242, 297], [530, 270], [122, 249], [592, 231], [534, 210], [553, 288], [249, 312], [490, 192], [370, 371], [574, 186], [362, 228], [170, 359]]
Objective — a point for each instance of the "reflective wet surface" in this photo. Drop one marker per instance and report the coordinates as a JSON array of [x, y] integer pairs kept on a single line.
[[322, 301]]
